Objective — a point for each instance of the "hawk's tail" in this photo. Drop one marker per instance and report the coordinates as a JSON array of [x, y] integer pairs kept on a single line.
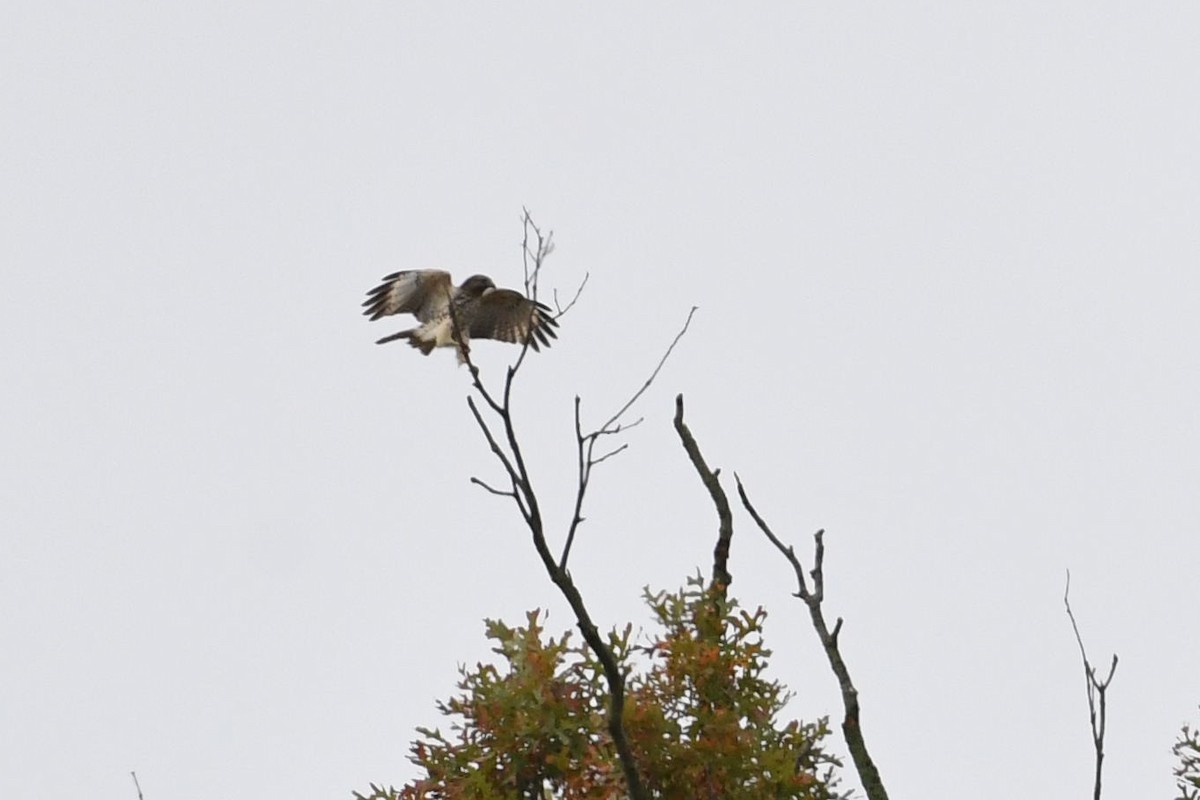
[[424, 345]]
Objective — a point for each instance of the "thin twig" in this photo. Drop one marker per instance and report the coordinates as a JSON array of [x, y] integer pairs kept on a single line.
[[493, 489], [620, 428], [1096, 693], [653, 374], [560, 310], [609, 454], [545, 246], [137, 785], [526, 223]]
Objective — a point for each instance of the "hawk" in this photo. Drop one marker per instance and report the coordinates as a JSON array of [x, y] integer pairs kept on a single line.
[[477, 309]]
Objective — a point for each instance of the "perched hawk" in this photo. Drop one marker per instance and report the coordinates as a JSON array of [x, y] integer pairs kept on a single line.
[[480, 311]]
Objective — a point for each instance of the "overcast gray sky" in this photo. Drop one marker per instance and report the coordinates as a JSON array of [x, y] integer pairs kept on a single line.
[[946, 259]]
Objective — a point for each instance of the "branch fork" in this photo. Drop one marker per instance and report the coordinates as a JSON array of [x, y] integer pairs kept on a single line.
[[506, 447]]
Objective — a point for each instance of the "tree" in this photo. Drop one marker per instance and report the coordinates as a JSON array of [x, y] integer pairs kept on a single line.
[[687, 713], [700, 715], [693, 715], [1187, 774]]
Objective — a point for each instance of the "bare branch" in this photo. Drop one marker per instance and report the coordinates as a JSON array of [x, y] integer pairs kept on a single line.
[[609, 454], [515, 478], [526, 224], [137, 785], [493, 489], [585, 443], [617, 416], [1096, 693], [491, 440], [868, 773], [620, 428], [535, 247], [527, 502], [537, 253], [583, 457], [712, 482], [560, 310], [818, 571], [509, 453], [787, 550]]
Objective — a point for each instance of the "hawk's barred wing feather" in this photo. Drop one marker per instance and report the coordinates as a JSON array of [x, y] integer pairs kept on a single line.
[[509, 316], [424, 293]]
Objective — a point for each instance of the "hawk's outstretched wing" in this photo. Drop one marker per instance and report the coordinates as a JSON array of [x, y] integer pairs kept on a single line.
[[425, 293], [509, 316]]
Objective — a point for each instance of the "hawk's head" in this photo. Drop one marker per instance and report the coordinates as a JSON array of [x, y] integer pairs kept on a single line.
[[476, 286]]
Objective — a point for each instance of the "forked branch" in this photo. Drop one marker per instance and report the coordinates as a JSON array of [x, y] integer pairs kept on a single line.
[[868, 773], [559, 310], [506, 447], [1096, 693], [585, 443]]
